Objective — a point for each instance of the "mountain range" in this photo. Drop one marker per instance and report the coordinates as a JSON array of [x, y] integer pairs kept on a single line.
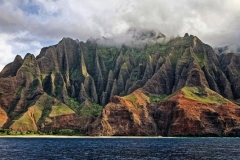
[[179, 87]]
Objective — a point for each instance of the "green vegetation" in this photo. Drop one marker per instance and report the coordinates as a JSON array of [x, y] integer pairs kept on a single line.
[[113, 56], [109, 56], [237, 101], [38, 112], [76, 74], [24, 120], [43, 76], [34, 111], [204, 95], [158, 98], [152, 98], [94, 110], [66, 132], [200, 58], [132, 98], [175, 54], [19, 91], [184, 59], [84, 67], [46, 102], [178, 46], [60, 109], [73, 104], [4, 132], [32, 116]]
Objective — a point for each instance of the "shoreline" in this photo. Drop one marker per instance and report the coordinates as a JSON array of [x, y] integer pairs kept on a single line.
[[99, 137], [63, 136]]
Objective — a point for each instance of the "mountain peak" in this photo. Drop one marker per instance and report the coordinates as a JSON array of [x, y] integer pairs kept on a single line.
[[186, 35]]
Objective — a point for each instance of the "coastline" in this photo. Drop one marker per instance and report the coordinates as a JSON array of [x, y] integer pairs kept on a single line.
[[98, 137], [93, 137]]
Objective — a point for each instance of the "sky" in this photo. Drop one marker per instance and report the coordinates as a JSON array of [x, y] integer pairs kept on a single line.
[[28, 25]]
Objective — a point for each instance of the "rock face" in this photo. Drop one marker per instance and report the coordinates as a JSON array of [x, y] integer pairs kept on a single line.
[[231, 68], [67, 85], [3, 117], [125, 116], [179, 115]]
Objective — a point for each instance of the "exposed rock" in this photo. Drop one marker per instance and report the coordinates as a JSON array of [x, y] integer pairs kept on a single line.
[[72, 121], [106, 94], [60, 88], [135, 80], [90, 89], [179, 115], [27, 86], [211, 81], [122, 117], [159, 63], [120, 84], [162, 81], [3, 117], [82, 95], [73, 94], [122, 77], [149, 70], [114, 90], [48, 62], [12, 68], [231, 68], [9, 93], [196, 77], [98, 76]]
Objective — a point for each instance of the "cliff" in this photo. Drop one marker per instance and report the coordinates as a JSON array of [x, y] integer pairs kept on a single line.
[[191, 111], [106, 90]]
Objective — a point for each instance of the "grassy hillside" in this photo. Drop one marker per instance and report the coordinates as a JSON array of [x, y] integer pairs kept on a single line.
[[203, 94], [60, 109]]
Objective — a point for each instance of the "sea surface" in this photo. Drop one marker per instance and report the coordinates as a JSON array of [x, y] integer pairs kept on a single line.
[[119, 148]]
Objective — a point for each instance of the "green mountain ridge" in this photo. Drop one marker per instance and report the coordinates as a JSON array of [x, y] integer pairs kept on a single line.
[[67, 85]]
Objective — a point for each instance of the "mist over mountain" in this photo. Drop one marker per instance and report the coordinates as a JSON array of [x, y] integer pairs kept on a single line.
[[227, 49], [134, 37]]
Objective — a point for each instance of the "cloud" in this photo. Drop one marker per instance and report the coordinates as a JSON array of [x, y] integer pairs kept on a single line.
[[6, 55], [32, 24]]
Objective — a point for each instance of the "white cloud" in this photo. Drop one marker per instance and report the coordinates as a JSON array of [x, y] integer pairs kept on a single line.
[[10, 47], [6, 55], [33, 24]]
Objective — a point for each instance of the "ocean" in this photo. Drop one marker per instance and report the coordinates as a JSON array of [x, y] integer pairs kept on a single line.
[[118, 148]]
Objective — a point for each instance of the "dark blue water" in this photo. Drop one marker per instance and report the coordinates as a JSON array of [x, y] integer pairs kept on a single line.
[[119, 148]]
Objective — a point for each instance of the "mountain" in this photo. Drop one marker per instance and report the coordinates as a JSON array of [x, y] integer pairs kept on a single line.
[[179, 87], [191, 111]]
